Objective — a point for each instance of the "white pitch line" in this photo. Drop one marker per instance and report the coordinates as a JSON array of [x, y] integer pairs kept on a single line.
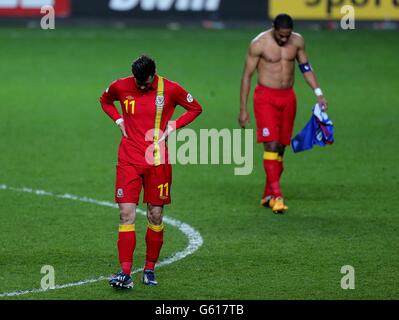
[[195, 240]]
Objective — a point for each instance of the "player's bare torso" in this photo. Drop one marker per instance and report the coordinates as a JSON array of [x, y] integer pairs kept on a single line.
[[276, 63]]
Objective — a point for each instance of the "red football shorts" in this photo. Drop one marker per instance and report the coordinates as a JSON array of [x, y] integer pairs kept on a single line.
[[156, 181], [275, 111]]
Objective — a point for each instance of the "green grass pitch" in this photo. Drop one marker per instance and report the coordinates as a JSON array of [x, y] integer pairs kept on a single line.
[[343, 199]]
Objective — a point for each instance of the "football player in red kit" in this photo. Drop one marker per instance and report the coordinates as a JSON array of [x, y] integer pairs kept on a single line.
[[272, 54], [148, 102]]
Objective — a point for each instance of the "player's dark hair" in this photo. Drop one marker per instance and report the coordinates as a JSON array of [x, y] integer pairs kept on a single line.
[[143, 67], [283, 21]]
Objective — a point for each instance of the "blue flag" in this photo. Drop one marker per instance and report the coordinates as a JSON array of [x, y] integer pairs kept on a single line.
[[319, 130]]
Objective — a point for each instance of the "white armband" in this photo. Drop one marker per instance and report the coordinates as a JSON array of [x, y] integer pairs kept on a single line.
[[318, 92], [119, 121]]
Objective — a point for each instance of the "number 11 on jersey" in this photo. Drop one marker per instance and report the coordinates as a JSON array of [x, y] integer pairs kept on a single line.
[[127, 103]]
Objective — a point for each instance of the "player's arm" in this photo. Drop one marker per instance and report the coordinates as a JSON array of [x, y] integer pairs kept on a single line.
[[107, 103], [187, 101], [251, 62], [309, 74]]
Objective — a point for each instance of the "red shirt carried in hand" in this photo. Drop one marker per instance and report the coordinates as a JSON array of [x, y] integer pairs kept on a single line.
[[139, 111]]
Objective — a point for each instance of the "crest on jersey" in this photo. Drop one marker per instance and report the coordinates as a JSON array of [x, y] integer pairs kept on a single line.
[[160, 100]]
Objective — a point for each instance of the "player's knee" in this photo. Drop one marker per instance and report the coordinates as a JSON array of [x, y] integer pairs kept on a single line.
[[155, 215], [272, 146], [126, 215]]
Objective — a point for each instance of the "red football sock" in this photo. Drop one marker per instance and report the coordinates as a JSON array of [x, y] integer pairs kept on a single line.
[[154, 240], [267, 191], [273, 171], [126, 246], [281, 163]]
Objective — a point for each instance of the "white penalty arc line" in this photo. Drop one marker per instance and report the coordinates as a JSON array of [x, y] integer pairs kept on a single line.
[[195, 240]]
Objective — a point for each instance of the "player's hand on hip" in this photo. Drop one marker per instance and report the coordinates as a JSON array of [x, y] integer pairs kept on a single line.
[[123, 129], [243, 118], [322, 103]]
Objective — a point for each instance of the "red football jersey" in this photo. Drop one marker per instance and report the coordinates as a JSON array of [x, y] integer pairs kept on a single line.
[[139, 112]]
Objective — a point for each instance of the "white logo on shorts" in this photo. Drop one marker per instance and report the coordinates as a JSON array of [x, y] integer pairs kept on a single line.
[[119, 193], [265, 132], [190, 98]]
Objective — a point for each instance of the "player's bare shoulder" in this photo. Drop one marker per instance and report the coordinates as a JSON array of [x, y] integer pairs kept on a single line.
[[262, 38], [260, 42], [298, 40]]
